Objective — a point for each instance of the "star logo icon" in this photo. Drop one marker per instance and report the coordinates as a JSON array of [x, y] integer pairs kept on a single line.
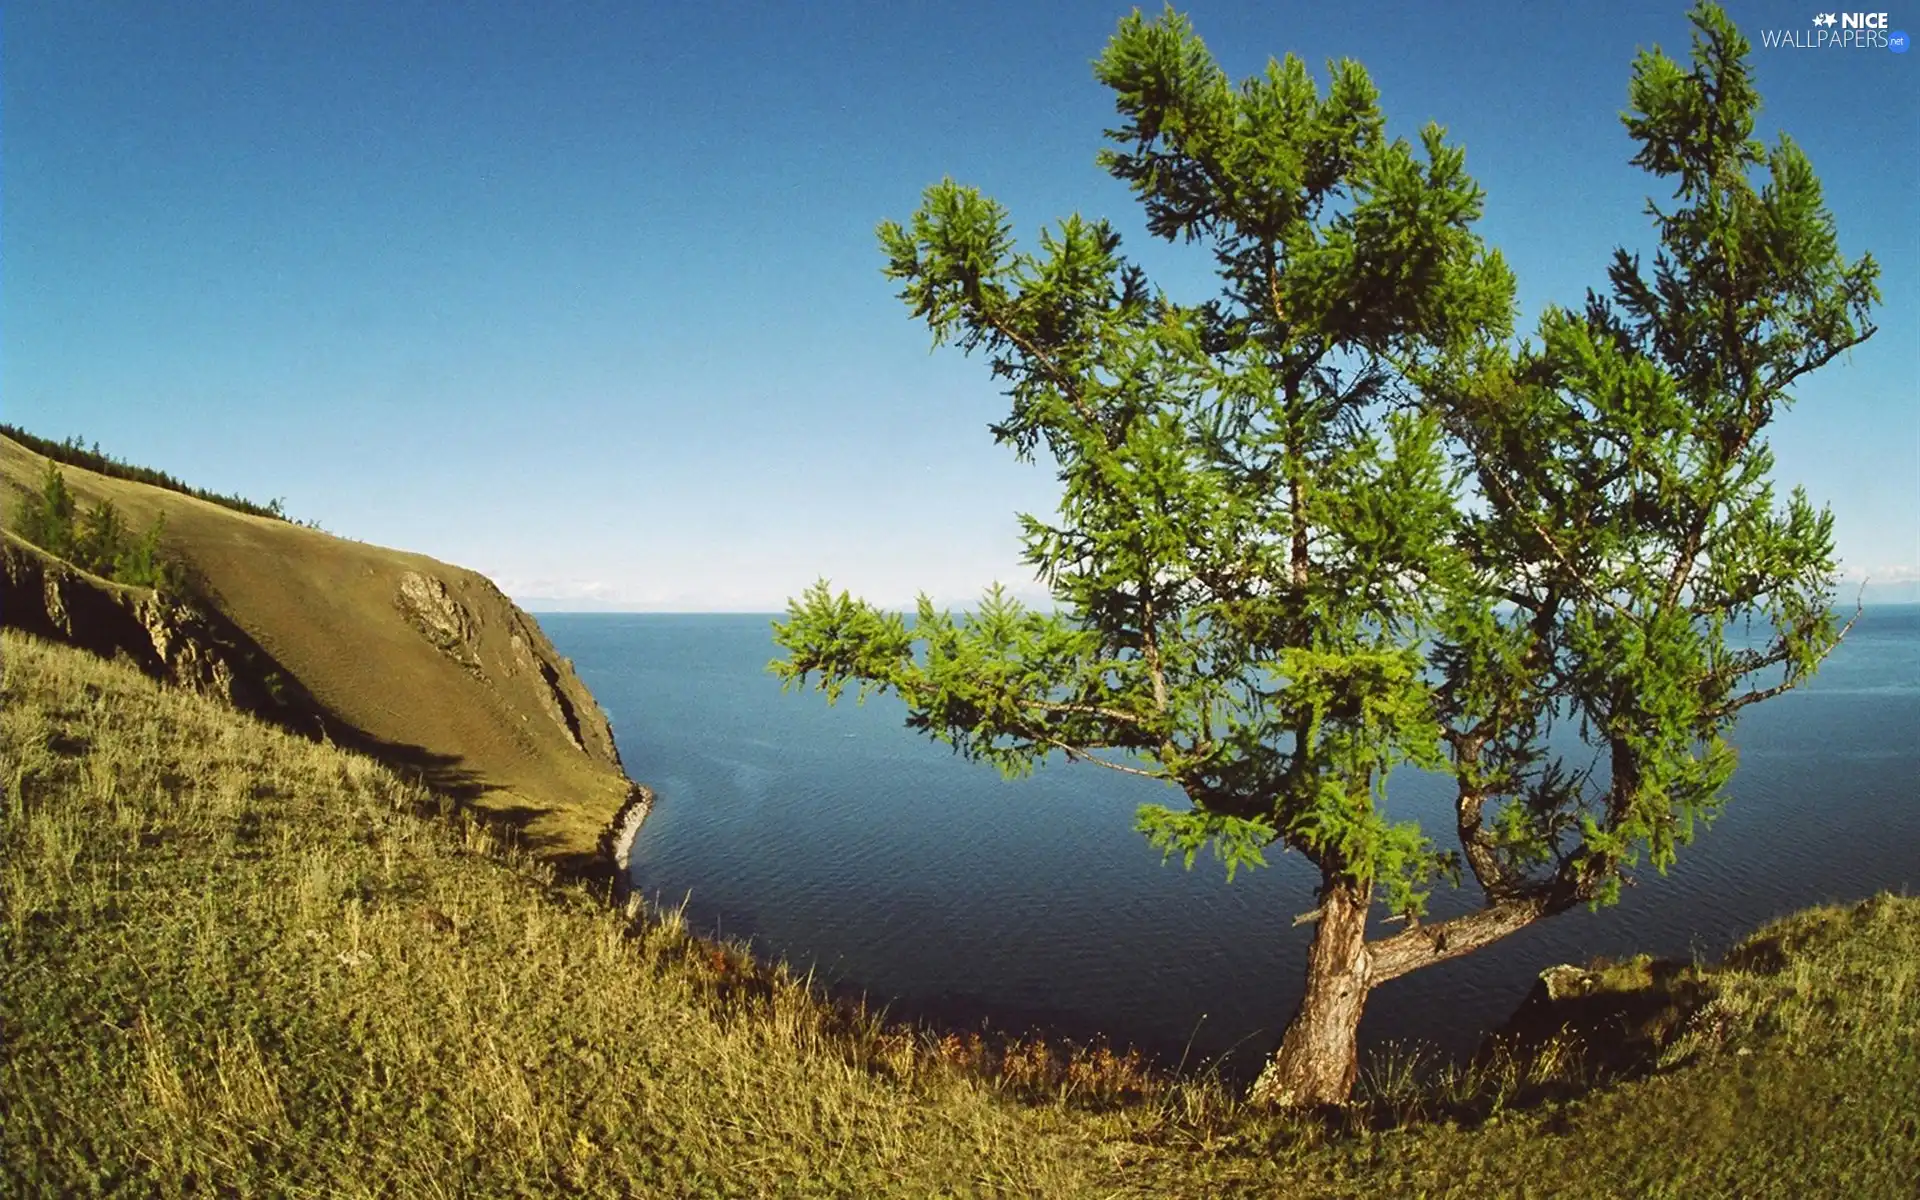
[[1825, 19]]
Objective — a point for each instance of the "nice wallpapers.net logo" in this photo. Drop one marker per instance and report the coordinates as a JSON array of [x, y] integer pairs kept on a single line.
[[1839, 31]]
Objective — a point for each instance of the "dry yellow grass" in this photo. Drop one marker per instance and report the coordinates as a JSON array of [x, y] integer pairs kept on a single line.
[[240, 962], [235, 962]]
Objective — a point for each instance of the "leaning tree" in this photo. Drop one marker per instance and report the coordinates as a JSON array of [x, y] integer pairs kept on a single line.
[[1329, 521]]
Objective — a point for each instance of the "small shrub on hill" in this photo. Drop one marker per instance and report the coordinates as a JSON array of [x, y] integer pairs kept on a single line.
[[97, 539], [46, 520]]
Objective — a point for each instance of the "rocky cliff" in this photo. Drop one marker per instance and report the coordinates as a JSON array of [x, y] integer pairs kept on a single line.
[[423, 664]]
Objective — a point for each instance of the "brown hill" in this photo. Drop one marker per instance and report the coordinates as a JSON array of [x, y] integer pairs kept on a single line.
[[429, 666]]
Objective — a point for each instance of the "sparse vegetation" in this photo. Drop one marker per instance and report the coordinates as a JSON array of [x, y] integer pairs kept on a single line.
[[233, 961], [97, 539], [74, 452]]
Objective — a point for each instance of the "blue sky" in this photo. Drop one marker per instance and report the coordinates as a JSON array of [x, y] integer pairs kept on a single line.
[[588, 297]]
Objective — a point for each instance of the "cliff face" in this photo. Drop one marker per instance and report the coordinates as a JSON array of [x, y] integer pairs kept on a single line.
[[467, 622], [425, 665]]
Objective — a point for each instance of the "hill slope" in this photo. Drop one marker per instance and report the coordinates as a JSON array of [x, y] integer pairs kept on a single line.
[[233, 962], [426, 665]]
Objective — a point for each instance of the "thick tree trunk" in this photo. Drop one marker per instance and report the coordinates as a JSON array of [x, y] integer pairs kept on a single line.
[[1319, 1058]]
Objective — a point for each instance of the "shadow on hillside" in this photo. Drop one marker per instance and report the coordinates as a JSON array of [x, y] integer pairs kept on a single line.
[[276, 695], [438, 773], [458, 790], [282, 699], [512, 824], [1619, 1022]]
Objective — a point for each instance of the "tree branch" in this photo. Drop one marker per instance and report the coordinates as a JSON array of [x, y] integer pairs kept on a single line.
[[1091, 710], [1066, 383], [1547, 538], [1424, 945], [1150, 648], [1754, 697], [1488, 871], [1778, 381], [1075, 754]]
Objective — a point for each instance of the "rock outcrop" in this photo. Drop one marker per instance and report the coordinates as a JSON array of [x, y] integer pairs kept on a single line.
[[443, 620], [616, 844], [169, 638], [459, 628]]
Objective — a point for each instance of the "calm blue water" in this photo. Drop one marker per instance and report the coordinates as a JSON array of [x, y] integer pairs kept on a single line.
[[835, 838]]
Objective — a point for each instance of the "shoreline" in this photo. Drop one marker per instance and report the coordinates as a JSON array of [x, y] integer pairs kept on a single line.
[[616, 842]]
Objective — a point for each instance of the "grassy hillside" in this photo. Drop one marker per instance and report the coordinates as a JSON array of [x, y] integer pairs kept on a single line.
[[234, 961], [428, 664], [73, 453]]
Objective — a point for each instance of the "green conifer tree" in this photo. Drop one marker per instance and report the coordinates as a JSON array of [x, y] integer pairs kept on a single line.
[[47, 518], [1271, 588], [101, 539]]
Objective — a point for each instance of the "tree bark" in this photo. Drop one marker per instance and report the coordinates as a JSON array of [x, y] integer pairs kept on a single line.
[[1319, 1057], [1425, 945]]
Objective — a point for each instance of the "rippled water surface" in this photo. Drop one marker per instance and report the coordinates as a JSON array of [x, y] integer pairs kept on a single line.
[[838, 839]]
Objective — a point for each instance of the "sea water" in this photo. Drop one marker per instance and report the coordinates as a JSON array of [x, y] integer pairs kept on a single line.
[[837, 839]]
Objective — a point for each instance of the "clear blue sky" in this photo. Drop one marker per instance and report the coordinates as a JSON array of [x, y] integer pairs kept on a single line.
[[588, 296]]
